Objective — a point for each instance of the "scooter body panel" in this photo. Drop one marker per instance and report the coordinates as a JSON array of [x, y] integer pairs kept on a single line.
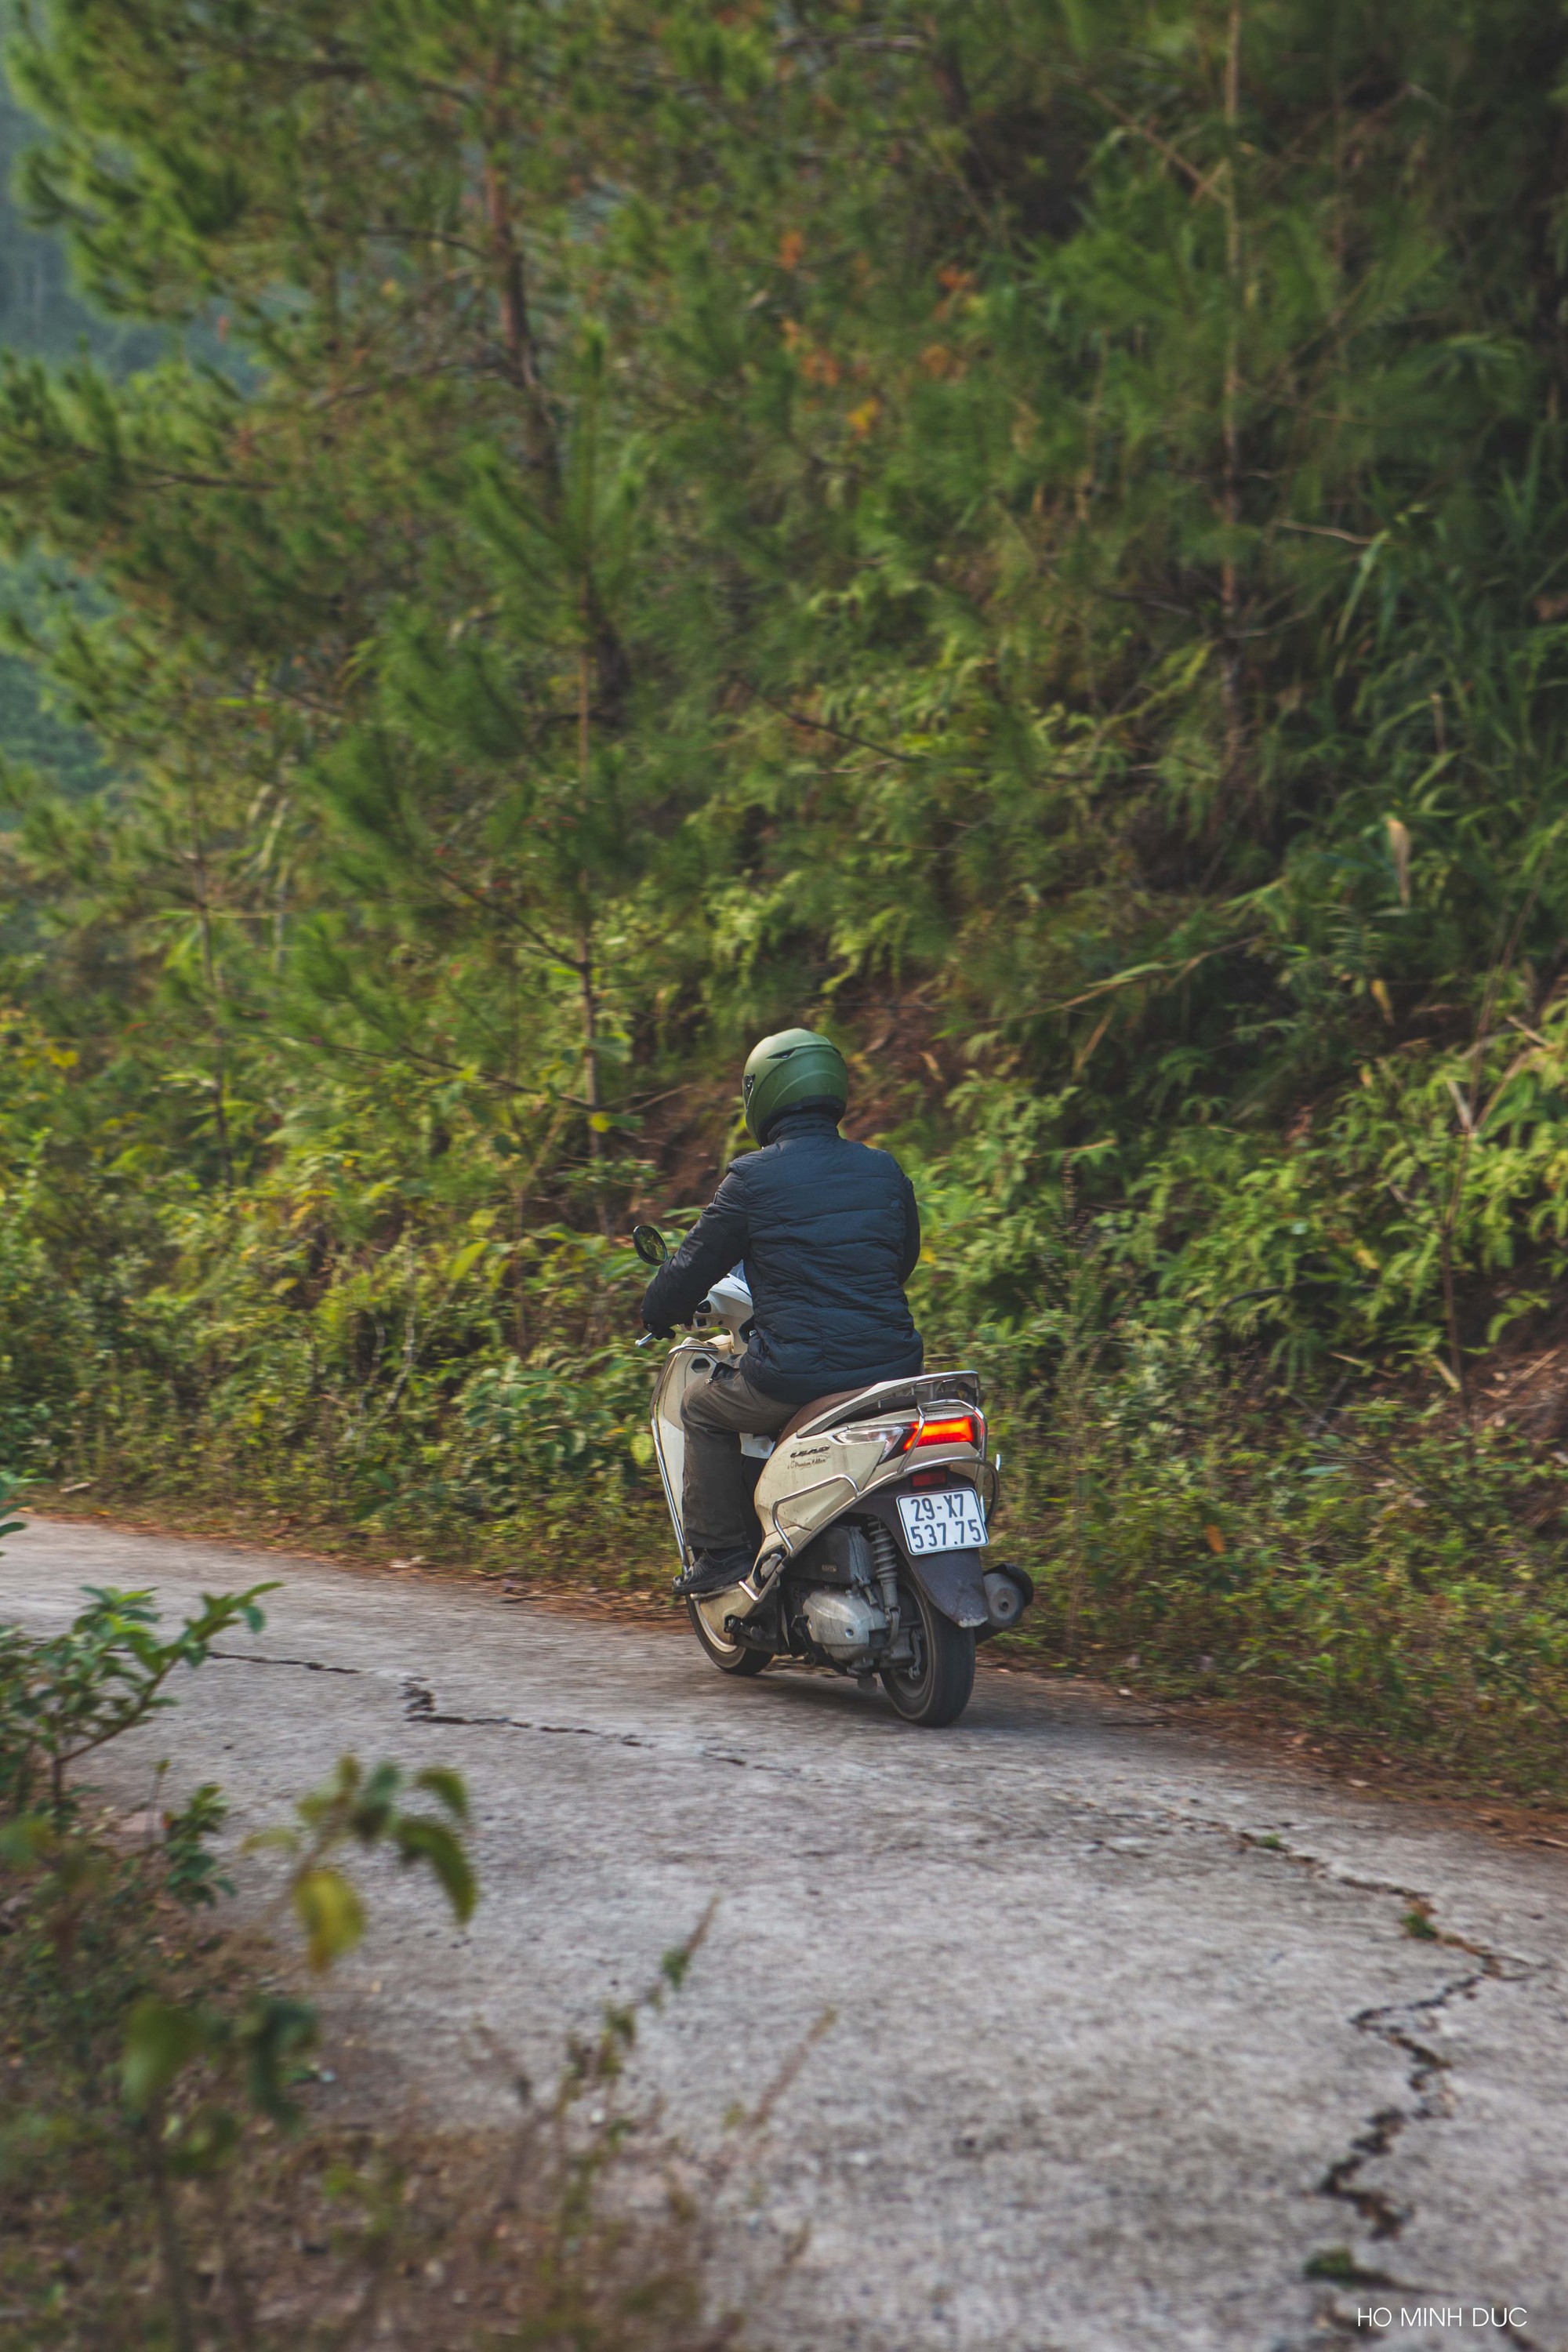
[[687, 1360], [854, 1446]]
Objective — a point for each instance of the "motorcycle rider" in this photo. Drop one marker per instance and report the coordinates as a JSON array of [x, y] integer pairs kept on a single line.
[[827, 1233]]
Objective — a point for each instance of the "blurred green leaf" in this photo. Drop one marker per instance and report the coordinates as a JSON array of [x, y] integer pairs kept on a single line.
[[329, 1909], [432, 1842], [447, 1787], [161, 2041]]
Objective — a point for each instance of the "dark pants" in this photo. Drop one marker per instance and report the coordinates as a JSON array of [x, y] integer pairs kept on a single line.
[[716, 1492]]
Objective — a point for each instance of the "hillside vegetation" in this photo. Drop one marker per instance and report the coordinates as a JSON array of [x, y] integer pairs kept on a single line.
[[1031, 535]]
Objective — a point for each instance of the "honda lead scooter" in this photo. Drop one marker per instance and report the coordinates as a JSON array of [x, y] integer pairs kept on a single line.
[[872, 1510]]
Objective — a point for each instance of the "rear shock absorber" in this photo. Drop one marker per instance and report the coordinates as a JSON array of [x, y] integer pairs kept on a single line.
[[885, 1560]]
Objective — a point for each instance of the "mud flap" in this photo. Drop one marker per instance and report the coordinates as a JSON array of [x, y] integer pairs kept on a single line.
[[952, 1582]]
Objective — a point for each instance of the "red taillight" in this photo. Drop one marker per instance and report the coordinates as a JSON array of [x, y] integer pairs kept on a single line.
[[962, 1429]]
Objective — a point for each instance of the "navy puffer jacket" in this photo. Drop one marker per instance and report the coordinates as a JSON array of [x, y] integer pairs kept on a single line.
[[829, 1233]]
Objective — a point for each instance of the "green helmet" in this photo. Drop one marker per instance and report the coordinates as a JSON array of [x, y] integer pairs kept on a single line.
[[783, 1072]]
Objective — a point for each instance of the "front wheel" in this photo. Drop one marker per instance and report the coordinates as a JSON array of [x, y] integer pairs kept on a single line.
[[934, 1689], [736, 1658]]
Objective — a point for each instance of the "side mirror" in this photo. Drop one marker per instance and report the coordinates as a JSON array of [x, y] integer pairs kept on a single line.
[[649, 1244]]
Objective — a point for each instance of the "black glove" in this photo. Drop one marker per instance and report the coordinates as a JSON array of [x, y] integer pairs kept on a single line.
[[659, 1325]]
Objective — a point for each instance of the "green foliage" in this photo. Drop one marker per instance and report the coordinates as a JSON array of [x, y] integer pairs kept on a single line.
[[1030, 538], [1371, 1567], [10, 1488], [135, 2054], [65, 1695], [153, 2106], [360, 1807], [38, 309], [253, 2050], [1365, 1559], [190, 1872]]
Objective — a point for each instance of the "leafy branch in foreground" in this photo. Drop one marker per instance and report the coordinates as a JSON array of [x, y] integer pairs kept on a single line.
[[189, 2071], [360, 1808], [63, 1695], [154, 2138], [254, 2044]]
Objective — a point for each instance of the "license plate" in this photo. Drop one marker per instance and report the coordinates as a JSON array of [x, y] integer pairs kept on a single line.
[[951, 1519]]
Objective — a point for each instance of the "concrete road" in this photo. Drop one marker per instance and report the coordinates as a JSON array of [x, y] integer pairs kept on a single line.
[[1131, 2035]]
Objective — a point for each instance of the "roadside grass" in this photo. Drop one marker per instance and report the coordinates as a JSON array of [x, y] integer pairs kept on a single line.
[[1384, 1576]]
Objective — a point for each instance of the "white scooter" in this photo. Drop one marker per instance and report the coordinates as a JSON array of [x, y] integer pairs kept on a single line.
[[871, 1516]]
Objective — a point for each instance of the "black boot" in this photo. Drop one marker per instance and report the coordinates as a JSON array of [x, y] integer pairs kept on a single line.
[[714, 1571]]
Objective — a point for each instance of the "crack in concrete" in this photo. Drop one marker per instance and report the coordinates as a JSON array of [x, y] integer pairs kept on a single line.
[[1431, 2100], [1508, 1968], [420, 1706], [306, 1666], [1393, 2022]]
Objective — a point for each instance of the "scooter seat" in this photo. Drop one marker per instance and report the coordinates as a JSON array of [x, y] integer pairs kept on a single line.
[[809, 1411]]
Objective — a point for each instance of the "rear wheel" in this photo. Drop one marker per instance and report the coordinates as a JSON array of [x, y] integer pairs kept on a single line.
[[934, 1689], [736, 1658]]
